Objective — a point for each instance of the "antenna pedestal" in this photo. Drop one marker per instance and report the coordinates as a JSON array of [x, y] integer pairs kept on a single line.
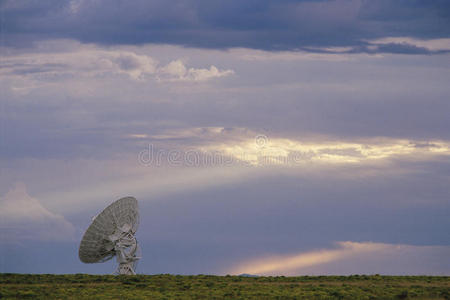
[[125, 246]]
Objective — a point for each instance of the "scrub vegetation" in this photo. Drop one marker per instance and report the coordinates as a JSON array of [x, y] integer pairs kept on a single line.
[[82, 286]]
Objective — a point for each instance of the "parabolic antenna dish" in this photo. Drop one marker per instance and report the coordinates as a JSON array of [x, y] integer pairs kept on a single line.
[[111, 233]]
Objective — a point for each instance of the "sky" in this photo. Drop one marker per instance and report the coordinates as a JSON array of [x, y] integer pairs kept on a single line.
[[260, 137]]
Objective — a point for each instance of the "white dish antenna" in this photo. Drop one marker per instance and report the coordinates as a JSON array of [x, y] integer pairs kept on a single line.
[[112, 233]]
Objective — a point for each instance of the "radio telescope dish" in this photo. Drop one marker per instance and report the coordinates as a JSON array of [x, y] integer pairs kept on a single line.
[[112, 233]]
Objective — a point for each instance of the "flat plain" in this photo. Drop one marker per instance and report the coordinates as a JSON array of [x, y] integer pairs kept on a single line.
[[165, 286]]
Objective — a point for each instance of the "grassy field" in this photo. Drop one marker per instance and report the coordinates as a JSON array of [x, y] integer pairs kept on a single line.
[[76, 286]]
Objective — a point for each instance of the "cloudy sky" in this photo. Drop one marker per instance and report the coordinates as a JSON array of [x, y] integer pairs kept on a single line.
[[264, 137]]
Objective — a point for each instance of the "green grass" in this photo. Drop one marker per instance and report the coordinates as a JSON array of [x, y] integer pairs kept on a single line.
[[76, 286]]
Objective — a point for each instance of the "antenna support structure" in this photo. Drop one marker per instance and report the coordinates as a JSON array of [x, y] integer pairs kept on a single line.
[[125, 247]]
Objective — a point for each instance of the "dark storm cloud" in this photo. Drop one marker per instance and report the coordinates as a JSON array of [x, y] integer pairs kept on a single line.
[[265, 24]]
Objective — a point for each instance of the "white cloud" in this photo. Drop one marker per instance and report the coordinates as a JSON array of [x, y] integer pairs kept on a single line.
[[245, 145], [177, 71], [84, 61], [354, 258], [205, 74], [60, 60], [430, 44], [24, 217], [261, 150], [175, 68]]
